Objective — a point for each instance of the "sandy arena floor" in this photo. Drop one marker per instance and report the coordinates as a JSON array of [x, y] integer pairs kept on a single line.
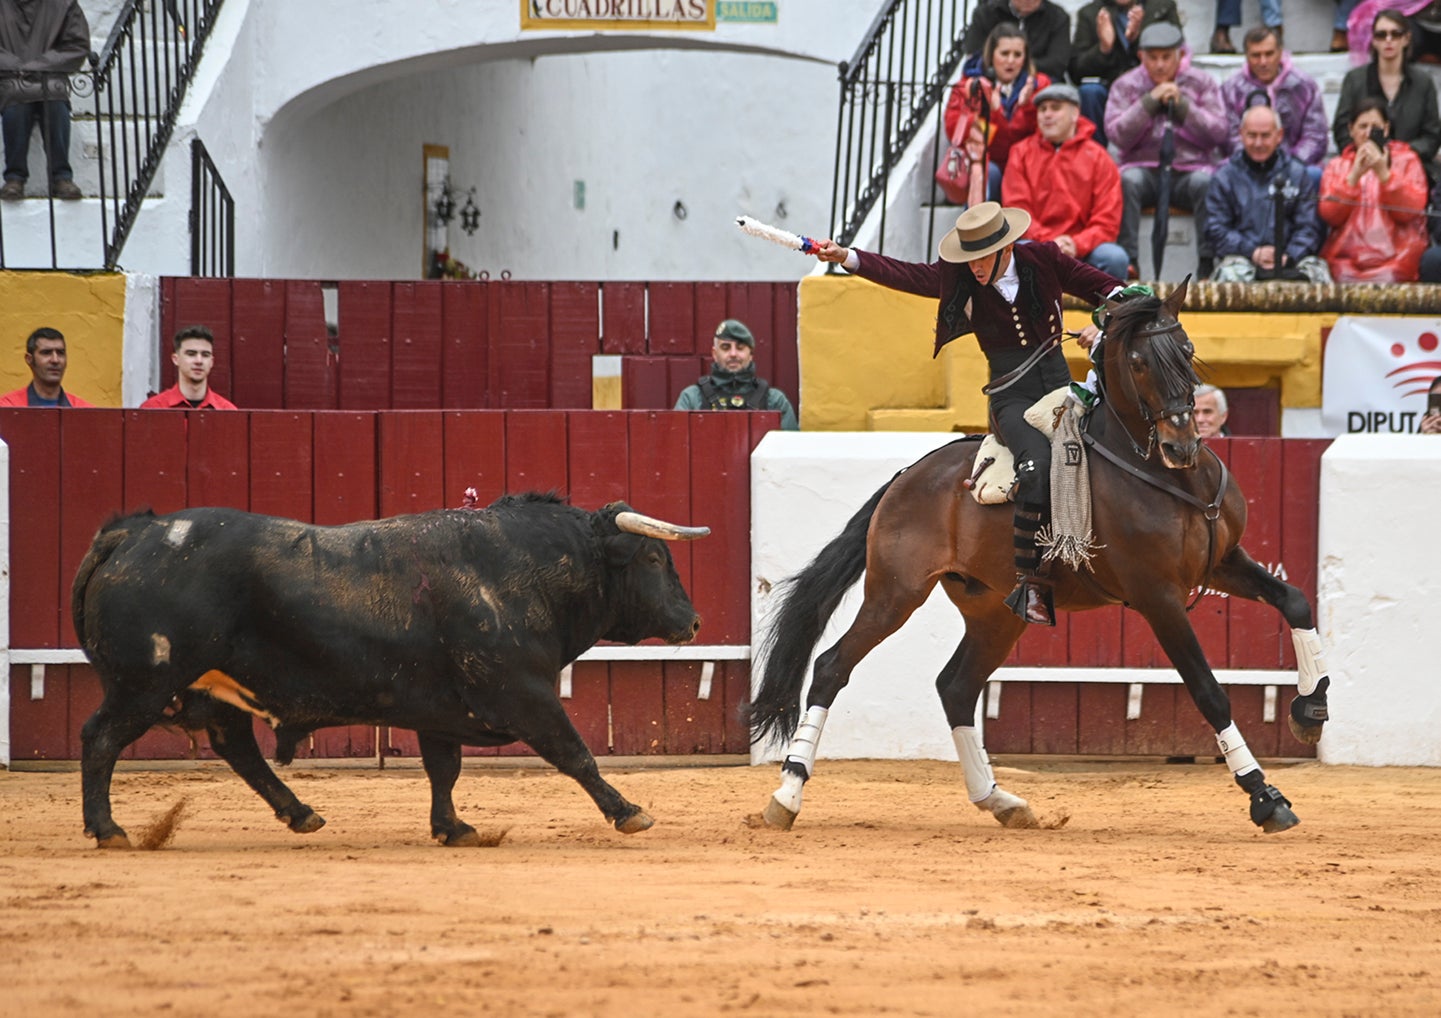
[[892, 896]]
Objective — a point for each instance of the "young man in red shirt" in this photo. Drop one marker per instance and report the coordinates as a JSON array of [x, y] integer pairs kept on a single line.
[[194, 357]]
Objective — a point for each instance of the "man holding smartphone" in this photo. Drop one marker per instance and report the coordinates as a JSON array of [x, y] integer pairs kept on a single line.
[[1431, 423]]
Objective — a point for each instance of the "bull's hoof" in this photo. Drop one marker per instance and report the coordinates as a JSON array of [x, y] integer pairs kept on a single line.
[[1309, 734], [114, 841], [463, 836], [778, 817], [307, 823], [635, 823]]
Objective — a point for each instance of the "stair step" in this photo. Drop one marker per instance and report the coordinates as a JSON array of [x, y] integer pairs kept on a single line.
[[84, 161]]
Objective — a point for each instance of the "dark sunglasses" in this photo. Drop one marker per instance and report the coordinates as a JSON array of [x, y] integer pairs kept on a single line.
[[1382, 34]]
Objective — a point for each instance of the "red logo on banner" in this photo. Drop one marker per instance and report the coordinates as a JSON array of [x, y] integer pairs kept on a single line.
[[1414, 377]]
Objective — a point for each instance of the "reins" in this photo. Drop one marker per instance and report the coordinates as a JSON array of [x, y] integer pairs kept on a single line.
[[1013, 376]]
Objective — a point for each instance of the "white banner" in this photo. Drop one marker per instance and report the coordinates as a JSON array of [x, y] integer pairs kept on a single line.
[[1376, 374]]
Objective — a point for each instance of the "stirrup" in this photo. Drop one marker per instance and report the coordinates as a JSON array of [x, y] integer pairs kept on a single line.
[[1032, 601]]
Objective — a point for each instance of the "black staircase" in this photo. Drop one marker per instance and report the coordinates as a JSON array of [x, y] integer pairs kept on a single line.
[[896, 79]]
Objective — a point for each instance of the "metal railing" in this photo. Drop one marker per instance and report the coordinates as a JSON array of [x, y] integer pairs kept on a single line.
[[895, 80], [140, 82], [212, 217]]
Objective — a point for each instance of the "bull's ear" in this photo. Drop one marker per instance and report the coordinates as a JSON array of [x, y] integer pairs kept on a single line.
[[620, 549]]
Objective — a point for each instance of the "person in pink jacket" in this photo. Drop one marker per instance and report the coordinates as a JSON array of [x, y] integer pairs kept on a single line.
[[1068, 182], [1165, 88]]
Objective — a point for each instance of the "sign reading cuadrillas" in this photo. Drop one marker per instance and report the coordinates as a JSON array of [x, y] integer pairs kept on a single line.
[[613, 15]]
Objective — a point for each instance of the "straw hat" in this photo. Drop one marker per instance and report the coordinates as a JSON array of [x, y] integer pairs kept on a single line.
[[983, 229]]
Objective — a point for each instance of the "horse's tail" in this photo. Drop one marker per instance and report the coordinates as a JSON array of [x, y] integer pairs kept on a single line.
[[804, 604]]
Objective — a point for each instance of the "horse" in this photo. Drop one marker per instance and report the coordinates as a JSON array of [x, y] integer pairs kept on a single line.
[[1167, 519]]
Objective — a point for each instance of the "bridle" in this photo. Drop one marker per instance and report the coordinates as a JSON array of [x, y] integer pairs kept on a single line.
[[1185, 404]]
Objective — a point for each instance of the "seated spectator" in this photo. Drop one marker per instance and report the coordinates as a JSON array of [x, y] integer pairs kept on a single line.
[[45, 356], [1270, 77], [1068, 183], [993, 97], [194, 358], [1373, 196], [1241, 209], [1431, 258], [1046, 26], [1210, 412], [1431, 420], [1165, 88], [1408, 92], [1105, 46], [1228, 16]]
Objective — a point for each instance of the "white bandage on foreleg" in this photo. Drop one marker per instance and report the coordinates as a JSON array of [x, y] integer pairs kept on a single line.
[[980, 779], [1233, 747], [1310, 669], [802, 749]]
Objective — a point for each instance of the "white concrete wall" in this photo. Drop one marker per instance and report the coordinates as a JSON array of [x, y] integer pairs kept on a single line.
[[1380, 581]]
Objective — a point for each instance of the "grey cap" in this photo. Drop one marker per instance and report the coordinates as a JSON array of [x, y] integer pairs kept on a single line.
[[1059, 91], [1160, 35]]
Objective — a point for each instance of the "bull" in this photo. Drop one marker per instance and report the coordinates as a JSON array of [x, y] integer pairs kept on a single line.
[[453, 623]]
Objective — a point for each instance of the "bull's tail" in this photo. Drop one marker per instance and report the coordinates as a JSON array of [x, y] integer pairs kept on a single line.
[[111, 536], [804, 604]]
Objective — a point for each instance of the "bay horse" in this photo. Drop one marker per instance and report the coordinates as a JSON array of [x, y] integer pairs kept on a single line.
[[1167, 519]]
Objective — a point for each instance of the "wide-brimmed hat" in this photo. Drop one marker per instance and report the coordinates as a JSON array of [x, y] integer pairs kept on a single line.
[[984, 229]]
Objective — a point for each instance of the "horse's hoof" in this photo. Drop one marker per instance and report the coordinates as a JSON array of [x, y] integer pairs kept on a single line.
[[309, 823], [1309, 734], [114, 841], [1282, 819], [778, 817], [635, 823], [1018, 818]]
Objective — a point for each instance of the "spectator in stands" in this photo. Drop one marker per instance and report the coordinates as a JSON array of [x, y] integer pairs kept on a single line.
[[1373, 196], [1270, 77], [1431, 420], [1068, 183], [1165, 87], [1228, 16], [994, 97], [45, 357], [1431, 257], [1408, 92], [1241, 206], [1046, 25], [1105, 46], [1340, 42], [194, 358], [41, 41], [732, 383], [1211, 412]]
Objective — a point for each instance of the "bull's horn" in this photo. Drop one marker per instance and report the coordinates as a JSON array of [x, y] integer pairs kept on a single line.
[[648, 526]]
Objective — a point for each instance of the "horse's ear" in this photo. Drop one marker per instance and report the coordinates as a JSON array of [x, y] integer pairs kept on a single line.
[[1177, 299]]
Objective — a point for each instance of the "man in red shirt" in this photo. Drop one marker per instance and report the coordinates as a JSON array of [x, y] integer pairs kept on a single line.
[[194, 357], [45, 355]]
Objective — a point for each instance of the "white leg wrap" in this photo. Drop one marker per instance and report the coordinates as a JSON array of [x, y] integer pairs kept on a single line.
[[802, 749], [1233, 747], [1310, 668], [980, 779], [789, 794]]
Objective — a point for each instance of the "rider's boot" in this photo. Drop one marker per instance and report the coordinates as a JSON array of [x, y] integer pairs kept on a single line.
[[1031, 599]]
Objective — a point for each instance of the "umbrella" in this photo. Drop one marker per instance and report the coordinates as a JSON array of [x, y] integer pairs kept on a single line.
[[1162, 224]]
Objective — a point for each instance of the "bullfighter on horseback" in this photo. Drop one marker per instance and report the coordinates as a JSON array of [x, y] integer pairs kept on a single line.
[[1009, 295]]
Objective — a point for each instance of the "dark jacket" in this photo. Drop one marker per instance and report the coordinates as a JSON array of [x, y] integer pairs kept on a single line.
[[1414, 116], [1241, 212], [42, 37], [1048, 33], [1008, 334], [1087, 60]]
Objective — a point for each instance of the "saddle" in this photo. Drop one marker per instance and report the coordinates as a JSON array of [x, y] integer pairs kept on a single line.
[[994, 478]]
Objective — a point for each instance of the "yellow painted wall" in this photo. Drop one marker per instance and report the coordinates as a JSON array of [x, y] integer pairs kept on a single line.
[[866, 364], [88, 310]]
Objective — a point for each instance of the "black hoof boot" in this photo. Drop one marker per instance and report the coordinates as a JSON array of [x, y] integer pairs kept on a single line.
[[1271, 811], [1309, 713]]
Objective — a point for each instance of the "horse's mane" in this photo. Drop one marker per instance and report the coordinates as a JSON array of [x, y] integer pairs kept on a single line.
[[1171, 352]]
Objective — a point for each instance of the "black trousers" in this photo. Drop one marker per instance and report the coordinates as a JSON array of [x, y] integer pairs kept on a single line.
[[1031, 449]]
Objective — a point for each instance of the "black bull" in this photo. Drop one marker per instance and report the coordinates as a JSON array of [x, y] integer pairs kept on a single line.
[[452, 623]]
